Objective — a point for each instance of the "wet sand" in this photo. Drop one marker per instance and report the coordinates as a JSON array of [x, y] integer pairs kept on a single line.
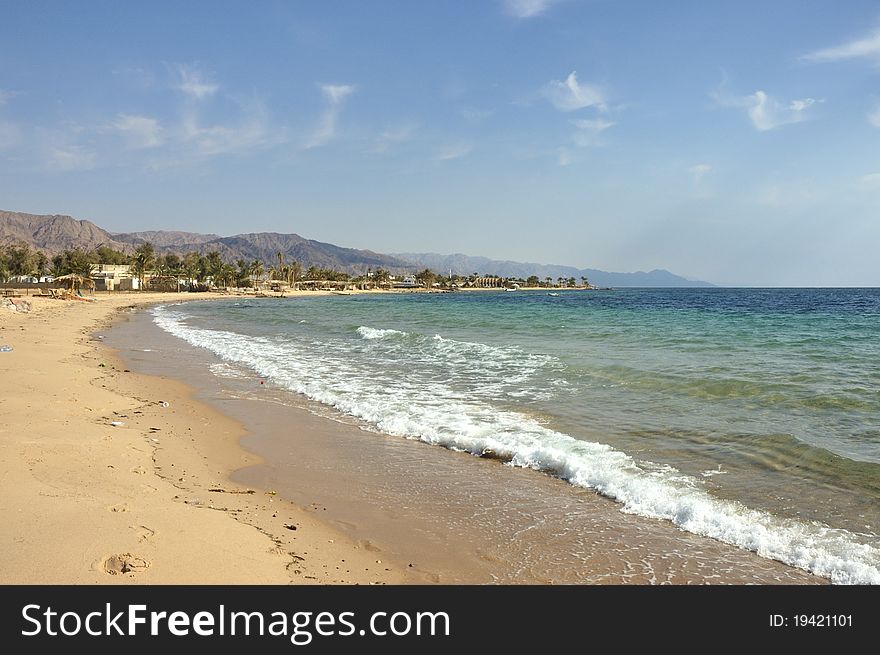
[[110, 476], [441, 516]]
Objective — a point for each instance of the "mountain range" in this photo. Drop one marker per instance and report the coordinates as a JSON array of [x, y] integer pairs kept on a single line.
[[466, 265], [55, 233]]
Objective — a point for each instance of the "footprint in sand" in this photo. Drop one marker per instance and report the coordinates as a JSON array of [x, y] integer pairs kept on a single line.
[[123, 564], [144, 533], [118, 507]]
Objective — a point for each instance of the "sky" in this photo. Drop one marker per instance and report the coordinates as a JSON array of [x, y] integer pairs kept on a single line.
[[734, 142]]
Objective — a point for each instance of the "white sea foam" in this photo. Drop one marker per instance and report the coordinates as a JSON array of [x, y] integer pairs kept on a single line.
[[376, 333], [431, 411]]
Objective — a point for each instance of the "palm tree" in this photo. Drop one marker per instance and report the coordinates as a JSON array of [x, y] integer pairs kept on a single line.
[[426, 277], [294, 272], [256, 270], [585, 281], [142, 261], [191, 266]]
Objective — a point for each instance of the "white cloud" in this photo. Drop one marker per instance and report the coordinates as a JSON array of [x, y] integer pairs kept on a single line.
[[139, 131], [565, 157], [870, 181], [336, 95], [252, 131], [6, 96], [569, 95], [528, 8], [10, 135], [699, 171], [588, 130], [394, 135], [454, 151], [784, 196], [874, 116], [765, 112], [473, 115], [868, 47], [194, 82], [71, 158]]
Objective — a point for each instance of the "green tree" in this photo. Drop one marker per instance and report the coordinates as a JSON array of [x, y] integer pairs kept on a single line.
[[256, 270], [294, 273], [20, 260], [426, 277], [533, 281], [213, 266], [190, 267], [41, 264], [143, 260]]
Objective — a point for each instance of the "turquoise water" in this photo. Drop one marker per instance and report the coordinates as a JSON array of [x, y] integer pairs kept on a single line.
[[750, 416]]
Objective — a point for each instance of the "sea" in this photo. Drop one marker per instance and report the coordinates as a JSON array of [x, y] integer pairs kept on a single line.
[[750, 417]]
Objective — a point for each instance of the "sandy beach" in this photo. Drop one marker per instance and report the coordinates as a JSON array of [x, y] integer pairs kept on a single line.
[[85, 500], [169, 476]]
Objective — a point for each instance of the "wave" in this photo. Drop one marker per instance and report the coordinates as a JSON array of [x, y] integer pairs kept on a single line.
[[376, 333], [433, 413]]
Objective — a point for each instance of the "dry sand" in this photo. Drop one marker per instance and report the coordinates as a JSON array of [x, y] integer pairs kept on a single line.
[[85, 499]]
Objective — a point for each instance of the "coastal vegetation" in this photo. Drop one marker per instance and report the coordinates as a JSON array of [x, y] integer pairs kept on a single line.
[[201, 271]]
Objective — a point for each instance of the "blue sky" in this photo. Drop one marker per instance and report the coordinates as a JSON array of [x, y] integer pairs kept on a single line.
[[732, 142]]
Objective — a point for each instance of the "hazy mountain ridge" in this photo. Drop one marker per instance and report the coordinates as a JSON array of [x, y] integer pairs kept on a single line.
[[466, 265], [165, 238], [55, 233]]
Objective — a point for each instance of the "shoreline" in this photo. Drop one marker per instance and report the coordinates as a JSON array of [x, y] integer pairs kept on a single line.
[[456, 518], [85, 498], [131, 503]]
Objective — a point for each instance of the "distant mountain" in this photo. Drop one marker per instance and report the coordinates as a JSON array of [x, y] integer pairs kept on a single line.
[[265, 246], [466, 265], [162, 238], [53, 233]]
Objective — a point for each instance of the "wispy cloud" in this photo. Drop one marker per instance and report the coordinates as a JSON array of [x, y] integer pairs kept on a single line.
[[194, 82], [10, 135], [251, 131], [588, 131], [870, 181], [394, 135], [564, 157], [527, 8], [71, 158], [138, 131], [698, 172], [473, 115], [766, 112], [7, 95], [783, 196], [335, 95], [866, 47], [570, 94], [874, 116], [454, 151]]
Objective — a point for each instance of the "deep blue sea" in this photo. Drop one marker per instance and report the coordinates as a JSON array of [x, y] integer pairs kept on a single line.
[[751, 416]]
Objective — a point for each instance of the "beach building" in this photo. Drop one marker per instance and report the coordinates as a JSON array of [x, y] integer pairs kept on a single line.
[[407, 282], [114, 277]]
